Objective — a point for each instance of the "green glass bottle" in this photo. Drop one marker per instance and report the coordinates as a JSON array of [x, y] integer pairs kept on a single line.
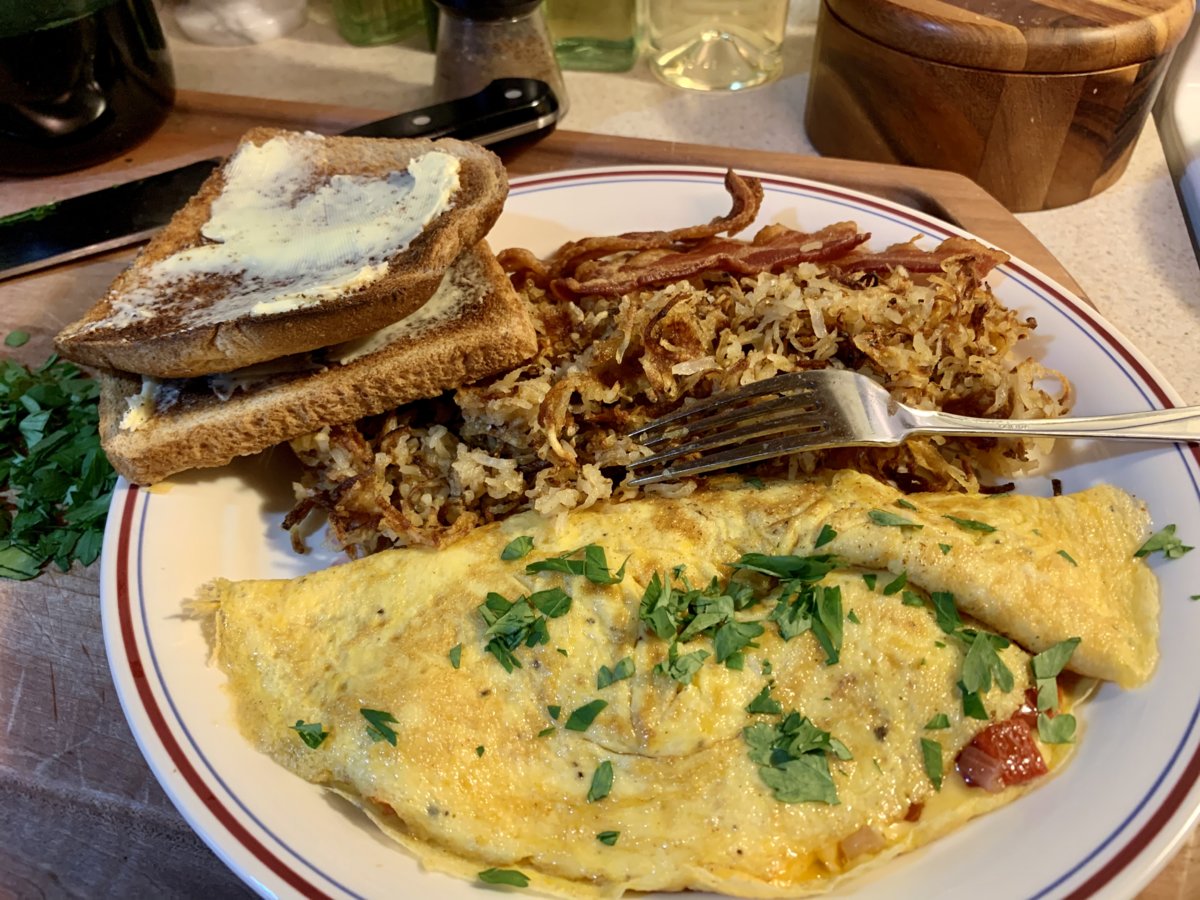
[[593, 35], [370, 22]]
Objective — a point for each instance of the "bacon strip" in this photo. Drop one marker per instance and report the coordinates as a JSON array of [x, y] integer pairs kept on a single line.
[[917, 260], [746, 194], [782, 248], [619, 264]]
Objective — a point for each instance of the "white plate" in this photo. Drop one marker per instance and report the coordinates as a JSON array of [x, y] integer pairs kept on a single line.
[[1105, 825]]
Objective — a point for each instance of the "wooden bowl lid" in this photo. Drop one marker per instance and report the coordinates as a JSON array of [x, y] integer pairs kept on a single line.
[[1049, 37]]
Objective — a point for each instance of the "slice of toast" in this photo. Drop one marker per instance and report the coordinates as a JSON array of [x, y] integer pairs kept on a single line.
[[298, 241], [473, 326]]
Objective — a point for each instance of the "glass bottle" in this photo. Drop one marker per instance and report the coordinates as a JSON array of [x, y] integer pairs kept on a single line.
[[231, 23], [81, 81], [481, 40], [594, 36], [714, 45], [371, 22]]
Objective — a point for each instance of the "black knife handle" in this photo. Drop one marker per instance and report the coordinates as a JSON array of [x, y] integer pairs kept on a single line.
[[508, 107]]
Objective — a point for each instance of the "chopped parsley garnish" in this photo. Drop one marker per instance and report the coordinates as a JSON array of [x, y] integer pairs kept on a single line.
[[378, 725], [55, 481], [732, 637], [755, 482], [826, 535], [946, 611], [972, 704], [852, 617], [896, 585], [310, 733], [593, 566], [548, 730], [1067, 556], [455, 655], [622, 670], [480, 750], [869, 578], [602, 782], [551, 603], [681, 668], [941, 720], [1058, 729], [945, 548], [517, 548], [983, 665], [510, 877], [582, 718], [932, 752], [971, 524], [790, 568], [1046, 666], [554, 710], [764, 703], [562, 650], [1164, 542], [608, 837], [814, 608], [909, 598], [792, 759], [891, 520], [904, 504], [16, 339], [513, 623]]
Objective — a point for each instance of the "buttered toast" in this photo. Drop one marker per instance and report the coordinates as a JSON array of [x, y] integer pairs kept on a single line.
[[473, 326], [297, 242]]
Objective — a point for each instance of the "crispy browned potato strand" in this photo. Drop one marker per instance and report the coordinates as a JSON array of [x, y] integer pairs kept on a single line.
[[551, 434]]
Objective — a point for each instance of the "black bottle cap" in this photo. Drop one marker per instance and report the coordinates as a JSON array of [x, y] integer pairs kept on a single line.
[[489, 9]]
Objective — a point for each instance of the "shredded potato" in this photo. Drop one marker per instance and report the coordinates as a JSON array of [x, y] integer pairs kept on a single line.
[[551, 434]]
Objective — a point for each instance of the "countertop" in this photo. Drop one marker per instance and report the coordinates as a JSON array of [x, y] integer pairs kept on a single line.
[[1128, 249]]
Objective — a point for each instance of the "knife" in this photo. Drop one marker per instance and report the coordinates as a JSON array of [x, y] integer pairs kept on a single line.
[[127, 213]]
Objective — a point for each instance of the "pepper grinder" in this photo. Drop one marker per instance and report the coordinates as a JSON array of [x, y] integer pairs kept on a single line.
[[481, 41]]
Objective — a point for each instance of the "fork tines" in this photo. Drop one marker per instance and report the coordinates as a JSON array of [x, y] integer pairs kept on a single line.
[[783, 404]]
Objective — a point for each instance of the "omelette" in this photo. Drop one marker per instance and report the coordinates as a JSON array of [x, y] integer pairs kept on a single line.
[[758, 689]]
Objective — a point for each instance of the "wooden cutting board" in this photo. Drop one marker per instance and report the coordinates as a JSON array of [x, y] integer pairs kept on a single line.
[[80, 806]]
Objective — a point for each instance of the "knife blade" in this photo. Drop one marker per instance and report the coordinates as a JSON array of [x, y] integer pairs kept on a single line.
[[130, 212]]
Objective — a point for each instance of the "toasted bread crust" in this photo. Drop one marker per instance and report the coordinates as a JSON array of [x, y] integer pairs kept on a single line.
[[165, 346], [491, 331]]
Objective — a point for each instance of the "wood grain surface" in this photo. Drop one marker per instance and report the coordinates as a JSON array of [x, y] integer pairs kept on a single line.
[[1034, 139], [1046, 36], [81, 815]]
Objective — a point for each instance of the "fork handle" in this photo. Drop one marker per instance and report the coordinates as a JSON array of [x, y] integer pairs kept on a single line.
[[1179, 424]]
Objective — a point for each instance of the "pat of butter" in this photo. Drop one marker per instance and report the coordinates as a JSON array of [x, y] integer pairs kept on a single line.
[[285, 236], [141, 406]]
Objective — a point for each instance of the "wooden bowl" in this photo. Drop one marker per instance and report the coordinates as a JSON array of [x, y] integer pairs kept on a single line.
[[1040, 103]]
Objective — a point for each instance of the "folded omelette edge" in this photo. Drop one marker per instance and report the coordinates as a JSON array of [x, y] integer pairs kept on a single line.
[[481, 774]]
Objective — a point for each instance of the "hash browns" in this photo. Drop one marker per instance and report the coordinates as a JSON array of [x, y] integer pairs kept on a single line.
[[550, 435]]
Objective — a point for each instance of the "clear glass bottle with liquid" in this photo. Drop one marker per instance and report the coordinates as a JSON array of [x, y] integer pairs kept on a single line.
[[714, 45], [591, 35]]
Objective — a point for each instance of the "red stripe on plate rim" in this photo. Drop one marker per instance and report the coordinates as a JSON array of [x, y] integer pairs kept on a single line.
[[165, 735]]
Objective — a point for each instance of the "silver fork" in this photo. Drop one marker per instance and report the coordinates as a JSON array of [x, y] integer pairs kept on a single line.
[[835, 408]]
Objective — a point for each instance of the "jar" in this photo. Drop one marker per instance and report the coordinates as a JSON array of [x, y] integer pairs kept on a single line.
[[230, 23], [481, 40], [1040, 102], [81, 81]]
